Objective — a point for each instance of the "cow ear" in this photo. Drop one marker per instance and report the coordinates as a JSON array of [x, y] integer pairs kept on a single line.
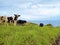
[[14, 14]]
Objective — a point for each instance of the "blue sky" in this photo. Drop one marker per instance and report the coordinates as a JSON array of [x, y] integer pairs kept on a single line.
[[31, 9]]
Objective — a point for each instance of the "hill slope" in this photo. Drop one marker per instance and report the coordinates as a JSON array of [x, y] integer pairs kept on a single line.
[[29, 34]]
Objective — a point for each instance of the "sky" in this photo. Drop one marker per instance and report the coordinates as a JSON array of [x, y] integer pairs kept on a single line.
[[31, 9]]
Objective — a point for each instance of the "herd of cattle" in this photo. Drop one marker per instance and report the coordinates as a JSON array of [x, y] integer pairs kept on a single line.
[[12, 19]]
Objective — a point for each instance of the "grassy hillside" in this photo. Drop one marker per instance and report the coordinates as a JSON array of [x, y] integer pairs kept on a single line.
[[29, 34]]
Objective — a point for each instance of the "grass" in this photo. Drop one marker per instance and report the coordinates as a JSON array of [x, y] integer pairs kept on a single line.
[[28, 34]]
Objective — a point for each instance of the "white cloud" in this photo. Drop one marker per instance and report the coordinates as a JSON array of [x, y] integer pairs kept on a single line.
[[32, 10], [42, 11], [24, 5], [48, 5]]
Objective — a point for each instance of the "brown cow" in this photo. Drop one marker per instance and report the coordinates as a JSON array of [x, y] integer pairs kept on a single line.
[[3, 19]]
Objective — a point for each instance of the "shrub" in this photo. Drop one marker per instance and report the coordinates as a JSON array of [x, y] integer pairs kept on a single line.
[[49, 25]]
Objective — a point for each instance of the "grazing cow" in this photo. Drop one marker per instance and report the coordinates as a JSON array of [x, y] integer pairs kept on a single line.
[[41, 25], [3, 19], [21, 21], [13, 19]]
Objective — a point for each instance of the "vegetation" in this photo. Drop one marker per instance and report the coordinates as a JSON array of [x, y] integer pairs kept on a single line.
[[49, 25], [28, 34]]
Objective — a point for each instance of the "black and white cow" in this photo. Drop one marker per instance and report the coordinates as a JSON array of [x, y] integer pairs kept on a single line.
[[13, 19], [21, 21]]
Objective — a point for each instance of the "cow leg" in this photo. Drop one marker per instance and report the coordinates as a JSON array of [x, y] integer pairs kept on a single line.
[[15, 22]]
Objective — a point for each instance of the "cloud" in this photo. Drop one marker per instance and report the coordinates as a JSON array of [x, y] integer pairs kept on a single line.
[[42, 11], [22, 6], [31, 9]]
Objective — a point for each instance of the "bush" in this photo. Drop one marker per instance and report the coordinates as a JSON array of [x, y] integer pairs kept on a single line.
[[41, 24], [49, 25]]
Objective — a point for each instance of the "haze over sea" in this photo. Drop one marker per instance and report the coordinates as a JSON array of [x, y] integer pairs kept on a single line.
[[53, 22]]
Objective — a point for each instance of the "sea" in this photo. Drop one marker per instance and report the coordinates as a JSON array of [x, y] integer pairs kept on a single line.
[[45, 22]]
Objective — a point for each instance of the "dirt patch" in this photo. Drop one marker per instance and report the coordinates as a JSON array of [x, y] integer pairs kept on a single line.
[[57, 41]]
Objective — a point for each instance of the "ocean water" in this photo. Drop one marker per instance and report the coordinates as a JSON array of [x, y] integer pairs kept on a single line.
[[53, 22]]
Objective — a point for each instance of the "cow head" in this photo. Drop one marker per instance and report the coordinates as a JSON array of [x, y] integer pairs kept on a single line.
[[16, 16]]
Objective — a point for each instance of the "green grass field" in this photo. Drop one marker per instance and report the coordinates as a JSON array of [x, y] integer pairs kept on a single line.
[[28, 34]]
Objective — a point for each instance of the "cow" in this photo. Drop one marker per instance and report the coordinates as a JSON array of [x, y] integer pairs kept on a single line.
[[13, 19], [3, 19], [21, 21], [10, 19]]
